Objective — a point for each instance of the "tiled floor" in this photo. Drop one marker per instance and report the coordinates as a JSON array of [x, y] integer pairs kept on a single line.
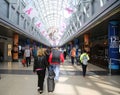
[[19, 80]]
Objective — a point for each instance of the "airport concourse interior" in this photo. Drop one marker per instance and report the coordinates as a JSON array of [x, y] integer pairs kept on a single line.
[[59, 47], [19, 80]]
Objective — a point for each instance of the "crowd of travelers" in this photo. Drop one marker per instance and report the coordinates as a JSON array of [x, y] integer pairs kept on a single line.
[[50, 59]]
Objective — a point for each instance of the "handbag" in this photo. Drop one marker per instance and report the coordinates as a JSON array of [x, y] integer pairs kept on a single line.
[[23, 62]]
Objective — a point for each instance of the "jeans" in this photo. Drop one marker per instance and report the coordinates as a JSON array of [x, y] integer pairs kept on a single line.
[[56, 69]]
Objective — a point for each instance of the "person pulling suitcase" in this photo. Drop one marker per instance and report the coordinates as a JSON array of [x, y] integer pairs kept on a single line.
[[55, 58]]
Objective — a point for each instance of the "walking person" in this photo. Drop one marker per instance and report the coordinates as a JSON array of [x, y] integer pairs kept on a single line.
[[34, 51], [55, 58], [40, 64], [27, 55], [65, 53], [73, 54], [77, 57], [84, 60]]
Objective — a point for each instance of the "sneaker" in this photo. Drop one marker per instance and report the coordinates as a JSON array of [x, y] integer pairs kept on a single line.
[[41, 91], [50, 93]]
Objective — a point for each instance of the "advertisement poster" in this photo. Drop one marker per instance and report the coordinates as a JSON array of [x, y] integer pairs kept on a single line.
[[113, 44]]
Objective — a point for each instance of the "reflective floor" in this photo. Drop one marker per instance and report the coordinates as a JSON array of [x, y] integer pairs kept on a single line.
[[19, 80]]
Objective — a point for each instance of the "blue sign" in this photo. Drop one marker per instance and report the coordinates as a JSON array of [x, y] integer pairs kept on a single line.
[[113, 33]]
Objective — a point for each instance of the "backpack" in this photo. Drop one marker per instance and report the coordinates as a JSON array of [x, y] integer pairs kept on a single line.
[[85, 60]]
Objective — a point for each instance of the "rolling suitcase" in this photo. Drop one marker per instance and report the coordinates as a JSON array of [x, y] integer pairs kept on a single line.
[[50, 81], [51, 84]]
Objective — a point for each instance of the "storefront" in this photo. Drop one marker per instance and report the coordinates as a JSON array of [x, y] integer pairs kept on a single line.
[[5, 48]]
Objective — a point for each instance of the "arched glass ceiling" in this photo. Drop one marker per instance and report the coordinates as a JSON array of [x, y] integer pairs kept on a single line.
[[52, 15], [59, 21]]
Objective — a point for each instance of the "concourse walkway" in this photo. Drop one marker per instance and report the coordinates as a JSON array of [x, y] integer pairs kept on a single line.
[[19, 80]]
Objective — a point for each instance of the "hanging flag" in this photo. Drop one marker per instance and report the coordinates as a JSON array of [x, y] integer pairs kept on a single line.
[[30, 11], [69, 10], [38, 24], [43, 32]]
